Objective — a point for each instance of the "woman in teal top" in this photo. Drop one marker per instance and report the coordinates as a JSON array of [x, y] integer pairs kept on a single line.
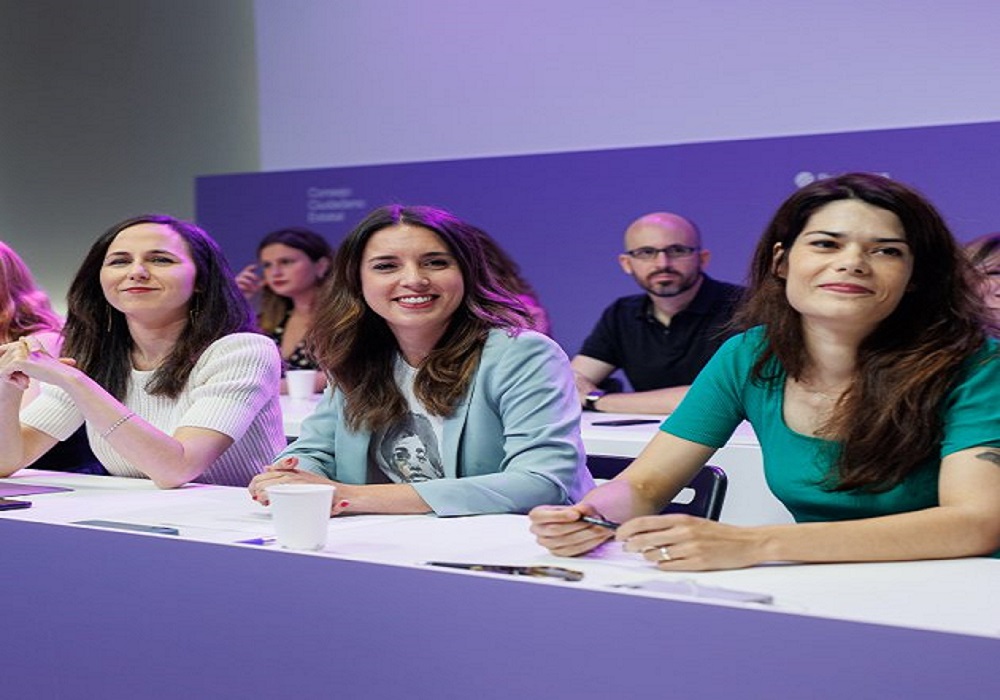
[[869, 380]]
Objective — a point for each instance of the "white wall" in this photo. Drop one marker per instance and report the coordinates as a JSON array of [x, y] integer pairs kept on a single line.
[[110, 108], [374, 81]]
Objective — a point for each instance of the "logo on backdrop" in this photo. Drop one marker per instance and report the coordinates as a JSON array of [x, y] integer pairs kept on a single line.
[[331, 204], [805, 177]]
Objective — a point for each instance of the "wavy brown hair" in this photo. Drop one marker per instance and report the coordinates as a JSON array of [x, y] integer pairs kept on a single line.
[[97, 335], [356, 348], [274, 307], [889, 421], [24, 308]]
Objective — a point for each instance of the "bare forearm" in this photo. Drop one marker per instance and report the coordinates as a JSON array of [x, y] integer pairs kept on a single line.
[[12, 454], [658, 401], [934, 533], [398, 499], [158, 455]]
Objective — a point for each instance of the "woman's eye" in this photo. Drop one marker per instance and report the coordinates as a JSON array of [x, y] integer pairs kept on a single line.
[[891, 252], [384, 267], [824, 244], [437, 263], [161, 260], [116, 262]]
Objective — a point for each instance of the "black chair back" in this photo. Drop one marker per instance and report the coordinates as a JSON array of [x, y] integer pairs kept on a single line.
[[703, 497]]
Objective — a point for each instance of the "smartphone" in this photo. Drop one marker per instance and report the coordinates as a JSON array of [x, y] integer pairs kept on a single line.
[[11, 504], [134, 527], [628, 421]]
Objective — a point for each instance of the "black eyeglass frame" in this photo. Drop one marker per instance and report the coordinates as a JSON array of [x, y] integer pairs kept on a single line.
[[675, 251]]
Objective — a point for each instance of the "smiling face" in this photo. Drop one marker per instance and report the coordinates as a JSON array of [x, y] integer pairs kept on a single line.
[[148, 273], [849, 267], [410, 278], [289, 271]]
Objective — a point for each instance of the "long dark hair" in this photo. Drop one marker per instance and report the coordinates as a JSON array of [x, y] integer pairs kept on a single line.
[[356, 348], [97, 336], [889, 420], [274, 307]]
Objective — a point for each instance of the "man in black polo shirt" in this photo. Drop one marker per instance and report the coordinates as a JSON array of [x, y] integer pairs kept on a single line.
[[660, 339]]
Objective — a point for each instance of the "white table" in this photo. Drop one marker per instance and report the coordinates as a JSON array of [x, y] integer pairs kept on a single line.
[[198, 614]]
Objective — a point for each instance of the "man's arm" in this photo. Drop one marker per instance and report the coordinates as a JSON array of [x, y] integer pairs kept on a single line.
[[656, 401], [589, 372]]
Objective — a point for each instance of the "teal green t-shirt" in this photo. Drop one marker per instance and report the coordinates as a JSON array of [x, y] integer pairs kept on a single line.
[[796, 466]]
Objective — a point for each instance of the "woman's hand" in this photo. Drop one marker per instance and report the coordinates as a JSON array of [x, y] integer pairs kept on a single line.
[[28, 359], [560, 530], [285, 471], [248, 281], [687, 543]]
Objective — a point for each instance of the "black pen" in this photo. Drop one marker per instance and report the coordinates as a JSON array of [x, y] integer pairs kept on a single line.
[[548, 571], [600, 522]]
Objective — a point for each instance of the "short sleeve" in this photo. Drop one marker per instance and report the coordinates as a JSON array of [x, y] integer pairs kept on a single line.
[[233, 381], [972, 410]]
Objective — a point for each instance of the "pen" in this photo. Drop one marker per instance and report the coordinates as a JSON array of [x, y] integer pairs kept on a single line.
[[600, 522], [259, 540], [547, 571]]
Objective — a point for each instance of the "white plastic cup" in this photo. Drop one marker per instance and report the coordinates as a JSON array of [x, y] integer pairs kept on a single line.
[[301, 514], [301, 383]]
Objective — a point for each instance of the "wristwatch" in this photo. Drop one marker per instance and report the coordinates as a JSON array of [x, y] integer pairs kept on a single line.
[[590, 400]]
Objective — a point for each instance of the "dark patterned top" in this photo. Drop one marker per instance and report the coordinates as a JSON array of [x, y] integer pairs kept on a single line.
[[300, 358]]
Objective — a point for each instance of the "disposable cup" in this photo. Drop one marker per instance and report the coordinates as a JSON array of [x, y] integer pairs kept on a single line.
[[301, 383], [301, 514]]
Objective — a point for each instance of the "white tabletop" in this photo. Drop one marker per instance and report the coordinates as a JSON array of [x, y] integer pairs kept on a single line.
[[952, 596]]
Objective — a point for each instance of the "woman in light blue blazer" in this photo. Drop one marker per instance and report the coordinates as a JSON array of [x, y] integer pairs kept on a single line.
[[441, 399]]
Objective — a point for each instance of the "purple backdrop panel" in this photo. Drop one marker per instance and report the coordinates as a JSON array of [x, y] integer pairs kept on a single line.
[[562, 215], [119, 615]]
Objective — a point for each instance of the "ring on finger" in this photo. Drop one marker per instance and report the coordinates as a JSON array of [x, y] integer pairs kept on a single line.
[[664, 554]]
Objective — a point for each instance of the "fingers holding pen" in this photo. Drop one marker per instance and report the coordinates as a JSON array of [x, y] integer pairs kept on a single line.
[[562, 531]]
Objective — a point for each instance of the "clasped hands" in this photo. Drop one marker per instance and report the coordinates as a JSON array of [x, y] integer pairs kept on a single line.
[[286, 471], [27, 358], [673, 542]]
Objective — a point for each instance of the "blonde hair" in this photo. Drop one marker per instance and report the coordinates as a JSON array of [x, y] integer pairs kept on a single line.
[[24, 308]]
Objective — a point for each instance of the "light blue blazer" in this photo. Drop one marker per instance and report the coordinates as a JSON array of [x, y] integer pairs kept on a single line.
[[512, 443]]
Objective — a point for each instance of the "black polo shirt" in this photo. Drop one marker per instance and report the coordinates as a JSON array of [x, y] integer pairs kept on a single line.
[[654, 356]]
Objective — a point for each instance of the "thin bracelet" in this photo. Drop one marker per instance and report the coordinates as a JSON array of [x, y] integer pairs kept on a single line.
[[116, 424]]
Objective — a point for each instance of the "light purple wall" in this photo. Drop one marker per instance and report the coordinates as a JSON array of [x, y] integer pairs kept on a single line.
[[386, 81]]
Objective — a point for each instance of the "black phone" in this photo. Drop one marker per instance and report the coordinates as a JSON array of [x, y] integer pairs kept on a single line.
[[628, 421], [11, 504]]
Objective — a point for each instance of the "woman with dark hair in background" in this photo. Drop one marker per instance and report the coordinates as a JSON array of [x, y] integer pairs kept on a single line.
[[294, 262], [984, 254], [416, 322], [160, 364], [869, 380]]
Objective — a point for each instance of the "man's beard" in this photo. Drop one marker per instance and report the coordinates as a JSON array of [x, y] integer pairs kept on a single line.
[[674, 287]]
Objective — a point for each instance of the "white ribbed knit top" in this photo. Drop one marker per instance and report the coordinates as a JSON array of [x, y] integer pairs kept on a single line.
[[232, 389]]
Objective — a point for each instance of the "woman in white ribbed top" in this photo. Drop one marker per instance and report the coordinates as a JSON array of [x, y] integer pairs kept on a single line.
[[166, 372]]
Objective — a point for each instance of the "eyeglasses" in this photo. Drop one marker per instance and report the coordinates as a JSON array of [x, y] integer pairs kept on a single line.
[[673, 252]]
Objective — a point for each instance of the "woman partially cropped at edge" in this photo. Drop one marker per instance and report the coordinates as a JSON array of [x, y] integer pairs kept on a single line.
[[440, 400], [25, 310], [171, 384], [869, 381]]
